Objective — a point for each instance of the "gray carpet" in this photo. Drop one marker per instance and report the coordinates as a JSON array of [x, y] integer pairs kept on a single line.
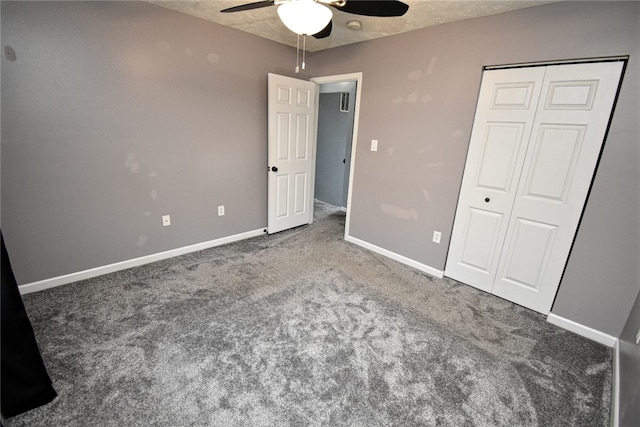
[[303, 329]]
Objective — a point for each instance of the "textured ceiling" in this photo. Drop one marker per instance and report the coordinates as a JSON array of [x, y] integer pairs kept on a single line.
[[265, 23]]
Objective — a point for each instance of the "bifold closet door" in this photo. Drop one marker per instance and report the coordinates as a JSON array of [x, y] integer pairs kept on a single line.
[[553, 171]]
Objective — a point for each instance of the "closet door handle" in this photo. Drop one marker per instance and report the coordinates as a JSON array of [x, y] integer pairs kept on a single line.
[[487, 199]]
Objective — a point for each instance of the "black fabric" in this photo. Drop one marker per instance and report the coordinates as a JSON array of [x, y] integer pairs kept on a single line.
[[24, 380]]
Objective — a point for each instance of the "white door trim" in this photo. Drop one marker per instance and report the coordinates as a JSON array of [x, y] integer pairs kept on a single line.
[[563, 62], [351, 77]]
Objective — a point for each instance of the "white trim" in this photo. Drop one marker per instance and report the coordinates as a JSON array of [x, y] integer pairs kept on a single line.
[[585, 331], [357, 77], [135, 262], [394, 256], [559, 62], [615, 406], [314, 147]]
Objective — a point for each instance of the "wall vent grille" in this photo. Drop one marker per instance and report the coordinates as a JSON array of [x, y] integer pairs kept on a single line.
[[344, 102]]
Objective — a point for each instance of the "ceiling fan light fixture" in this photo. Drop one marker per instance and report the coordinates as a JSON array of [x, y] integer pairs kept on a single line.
[[304, 17]]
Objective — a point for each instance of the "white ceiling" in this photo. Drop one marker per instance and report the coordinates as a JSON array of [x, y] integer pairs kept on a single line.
[[265, 23]]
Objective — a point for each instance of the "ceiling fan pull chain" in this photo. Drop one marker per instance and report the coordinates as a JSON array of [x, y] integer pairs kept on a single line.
[[304, 49], [298, 55]]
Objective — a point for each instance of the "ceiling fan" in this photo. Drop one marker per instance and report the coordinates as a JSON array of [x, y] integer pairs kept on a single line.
[[313, 17]]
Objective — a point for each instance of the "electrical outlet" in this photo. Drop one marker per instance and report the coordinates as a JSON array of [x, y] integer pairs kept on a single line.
[[374, 145], [220, 210], [166, 220], [638, 337], [436, 236]]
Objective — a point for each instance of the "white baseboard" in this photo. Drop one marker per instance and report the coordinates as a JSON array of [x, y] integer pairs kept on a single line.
[[394, 256], [585, 331], [123, 265], [604, 339], [615, 397]]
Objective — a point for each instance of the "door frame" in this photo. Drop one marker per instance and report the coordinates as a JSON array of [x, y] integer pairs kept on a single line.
[[351, 77]]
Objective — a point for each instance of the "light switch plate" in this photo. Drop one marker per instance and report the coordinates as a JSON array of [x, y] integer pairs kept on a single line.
[[374, 145]]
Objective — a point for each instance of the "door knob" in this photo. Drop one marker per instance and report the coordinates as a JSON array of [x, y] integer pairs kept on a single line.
[[487, 199], [274, 169]]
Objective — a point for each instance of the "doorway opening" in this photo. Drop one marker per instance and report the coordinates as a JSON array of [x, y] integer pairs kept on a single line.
[[338, 106]]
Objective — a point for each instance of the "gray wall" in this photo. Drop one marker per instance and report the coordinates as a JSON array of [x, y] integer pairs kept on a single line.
[[335, 132], [116, 113], [419, 94], [630, 370]]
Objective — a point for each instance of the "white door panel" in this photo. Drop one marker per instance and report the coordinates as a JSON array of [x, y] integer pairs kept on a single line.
[[477, 260], [302, 136], [282, 195], [291, 138], [300, 198], [498, 159], [282, 134], [555, 156], [528, 252]]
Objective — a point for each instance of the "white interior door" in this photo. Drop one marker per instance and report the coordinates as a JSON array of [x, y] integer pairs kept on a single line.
[[290, 153], [518, 249]]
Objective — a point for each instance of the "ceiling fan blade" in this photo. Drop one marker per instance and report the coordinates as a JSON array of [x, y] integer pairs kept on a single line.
[[325, 32], [375, 7], [249, 6]]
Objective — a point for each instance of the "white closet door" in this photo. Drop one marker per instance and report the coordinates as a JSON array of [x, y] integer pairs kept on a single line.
[[569, 128], [503, 122], [535, 143]]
